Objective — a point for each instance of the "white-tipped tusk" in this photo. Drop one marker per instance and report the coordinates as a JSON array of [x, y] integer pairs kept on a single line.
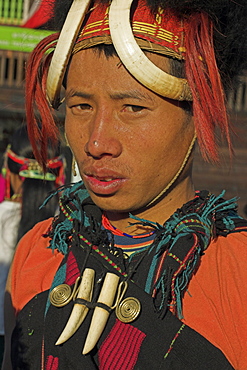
[[136, 61], [100, 315], [63, 50], [79, 311]]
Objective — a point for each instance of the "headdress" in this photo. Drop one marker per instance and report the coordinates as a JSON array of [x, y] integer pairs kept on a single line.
[[206, 36], [30, 168]]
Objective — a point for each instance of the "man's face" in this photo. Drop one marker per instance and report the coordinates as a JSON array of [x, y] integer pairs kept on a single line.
[[128, 142]]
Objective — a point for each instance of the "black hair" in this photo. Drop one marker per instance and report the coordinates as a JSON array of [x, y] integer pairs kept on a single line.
[[34, 191]]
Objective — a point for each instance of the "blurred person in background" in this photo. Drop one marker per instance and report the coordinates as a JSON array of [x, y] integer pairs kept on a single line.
[[25, 189]]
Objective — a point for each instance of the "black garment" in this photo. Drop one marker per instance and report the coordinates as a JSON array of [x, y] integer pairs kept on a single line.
[[1, 348], [190, 350], [157, 339]]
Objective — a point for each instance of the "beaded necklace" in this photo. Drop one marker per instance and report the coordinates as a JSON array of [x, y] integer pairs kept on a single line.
[[129, 243]]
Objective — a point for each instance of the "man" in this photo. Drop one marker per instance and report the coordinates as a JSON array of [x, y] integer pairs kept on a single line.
[[139, 271]]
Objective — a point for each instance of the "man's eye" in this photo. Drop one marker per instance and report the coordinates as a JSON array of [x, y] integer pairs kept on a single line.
[[83, 106], [80, 108], [133, 108]]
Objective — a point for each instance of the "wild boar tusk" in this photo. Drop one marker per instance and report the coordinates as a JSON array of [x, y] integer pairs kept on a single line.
[[134, 59], [100, 314], [79, 311], [63, 50]]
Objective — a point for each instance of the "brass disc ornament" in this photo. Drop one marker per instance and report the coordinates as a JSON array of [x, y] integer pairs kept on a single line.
[[128, 310], [60, 295]]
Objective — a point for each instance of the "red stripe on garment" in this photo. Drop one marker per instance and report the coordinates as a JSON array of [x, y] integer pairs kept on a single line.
[[72, 271], [121, 348], [51, 363]]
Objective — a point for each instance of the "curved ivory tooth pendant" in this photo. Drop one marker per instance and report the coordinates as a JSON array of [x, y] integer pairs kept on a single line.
[[101, 315], [79, 311]]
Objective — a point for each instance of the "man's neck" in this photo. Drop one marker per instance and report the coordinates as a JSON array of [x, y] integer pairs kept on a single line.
[[159, 212]]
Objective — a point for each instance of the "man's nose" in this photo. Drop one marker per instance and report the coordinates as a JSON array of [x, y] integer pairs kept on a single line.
[[103, 139]]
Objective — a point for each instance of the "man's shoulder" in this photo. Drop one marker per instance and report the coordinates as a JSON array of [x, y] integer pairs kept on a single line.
[[225, 259], [34, 258], [215, 302], [35, 242], [233, 242], [40, 229]]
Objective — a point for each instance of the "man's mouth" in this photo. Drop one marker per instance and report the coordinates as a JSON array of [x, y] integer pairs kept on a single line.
[[103, 185], [105, 179]]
